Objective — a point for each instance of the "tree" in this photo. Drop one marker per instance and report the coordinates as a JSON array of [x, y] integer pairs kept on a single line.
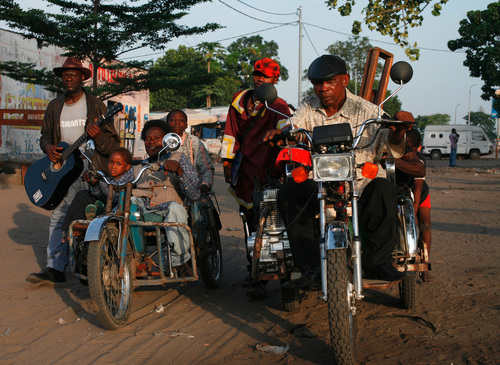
[[179, 75], [99, 32], [480, 37], [434, 119], [354, 51], [245, 51], [211, 51], [391, 17], [485, 121]]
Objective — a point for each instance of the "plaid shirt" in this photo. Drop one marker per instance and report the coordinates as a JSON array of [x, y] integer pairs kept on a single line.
[[354, 111], [101, 189]]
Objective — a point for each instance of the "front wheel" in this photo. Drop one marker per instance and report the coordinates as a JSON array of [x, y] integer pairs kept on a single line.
[[110, 291], [341, 307], [291, 299], [474, 154], [407, 291], [435, 155], [210, 265]]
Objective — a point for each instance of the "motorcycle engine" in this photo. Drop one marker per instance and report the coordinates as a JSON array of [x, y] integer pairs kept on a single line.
[[274, 239]]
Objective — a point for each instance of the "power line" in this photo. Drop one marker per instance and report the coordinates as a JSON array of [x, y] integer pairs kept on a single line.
[[254, 18], [383, 42], [264, 11], [312, 44], [217, 41]]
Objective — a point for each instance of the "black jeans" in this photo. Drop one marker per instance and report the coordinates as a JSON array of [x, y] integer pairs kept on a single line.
[[377, 214]]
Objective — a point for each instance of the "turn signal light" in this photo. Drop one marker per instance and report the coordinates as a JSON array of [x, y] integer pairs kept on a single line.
[[300, 174], [369, 170]]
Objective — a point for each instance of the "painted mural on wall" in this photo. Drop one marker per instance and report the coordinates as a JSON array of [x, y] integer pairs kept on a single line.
[[21, 143]]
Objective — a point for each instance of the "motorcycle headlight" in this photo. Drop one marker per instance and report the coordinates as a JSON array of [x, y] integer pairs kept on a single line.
[[337, 167]]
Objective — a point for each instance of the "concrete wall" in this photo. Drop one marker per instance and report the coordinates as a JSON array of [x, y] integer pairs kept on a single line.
[[20, 143]]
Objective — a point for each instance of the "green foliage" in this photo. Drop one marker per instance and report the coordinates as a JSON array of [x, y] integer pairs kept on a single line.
[[434, 119], [99, 32], [178, 76], [483, 120], [209, 73], [393, 18], [392, 105], [245, 51], [480, 37]]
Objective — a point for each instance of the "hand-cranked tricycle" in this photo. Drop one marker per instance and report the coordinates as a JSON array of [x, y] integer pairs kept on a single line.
[[124, 247]]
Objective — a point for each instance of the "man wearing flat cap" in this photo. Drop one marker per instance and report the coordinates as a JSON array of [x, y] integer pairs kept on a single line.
[[66, 119], [246, 124], [333, 103]]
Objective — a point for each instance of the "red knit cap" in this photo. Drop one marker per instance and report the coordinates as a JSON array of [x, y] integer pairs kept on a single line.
[[268, 67]]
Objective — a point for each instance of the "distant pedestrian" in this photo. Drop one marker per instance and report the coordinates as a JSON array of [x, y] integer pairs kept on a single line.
[[454, 136]]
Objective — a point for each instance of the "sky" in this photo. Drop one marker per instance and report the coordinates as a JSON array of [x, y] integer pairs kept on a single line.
[[440, 83]]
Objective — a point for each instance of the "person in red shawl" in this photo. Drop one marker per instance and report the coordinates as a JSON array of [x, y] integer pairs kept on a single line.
[[247, 122]]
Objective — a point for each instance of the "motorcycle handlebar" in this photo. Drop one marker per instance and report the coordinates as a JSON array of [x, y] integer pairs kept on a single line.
[[152, 167]]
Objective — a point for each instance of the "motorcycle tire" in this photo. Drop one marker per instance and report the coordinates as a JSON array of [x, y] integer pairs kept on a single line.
[[341, 310], [211, 265], [407, 291], [112, 295], [291, 299]]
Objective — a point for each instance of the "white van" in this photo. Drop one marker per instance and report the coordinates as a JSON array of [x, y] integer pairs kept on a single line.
[[473, 141]]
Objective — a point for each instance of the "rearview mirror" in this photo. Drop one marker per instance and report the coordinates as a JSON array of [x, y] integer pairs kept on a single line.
[[266, 92], [401, 72], [171, 142]]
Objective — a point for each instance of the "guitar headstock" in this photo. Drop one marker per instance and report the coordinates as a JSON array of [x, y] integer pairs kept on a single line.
[[115, 109], [118, 107]]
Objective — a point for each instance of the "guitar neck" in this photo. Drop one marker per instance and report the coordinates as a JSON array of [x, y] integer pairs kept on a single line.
[[74, 146]]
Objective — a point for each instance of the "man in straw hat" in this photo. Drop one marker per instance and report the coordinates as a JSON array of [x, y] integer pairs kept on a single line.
[[67, 117]]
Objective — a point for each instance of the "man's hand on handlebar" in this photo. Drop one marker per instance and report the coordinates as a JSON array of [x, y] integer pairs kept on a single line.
[[173, 166], [271, 138], [398, 131]]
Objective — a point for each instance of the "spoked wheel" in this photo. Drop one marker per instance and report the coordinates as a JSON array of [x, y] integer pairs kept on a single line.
[[290, 298], [341, 307], [111, 293], [407, 291], [211, 264]]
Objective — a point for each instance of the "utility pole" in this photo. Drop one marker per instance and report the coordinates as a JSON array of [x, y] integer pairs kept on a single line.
[[456, 113], [300, 54], [468, 119]]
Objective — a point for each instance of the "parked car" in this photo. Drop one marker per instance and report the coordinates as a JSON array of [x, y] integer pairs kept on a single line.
[[473, 141]]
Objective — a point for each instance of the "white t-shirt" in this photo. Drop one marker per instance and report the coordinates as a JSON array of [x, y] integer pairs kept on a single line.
[[73, 117]]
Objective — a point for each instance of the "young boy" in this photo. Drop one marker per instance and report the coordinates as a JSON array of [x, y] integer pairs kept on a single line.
[[422, 199], [84, 205]]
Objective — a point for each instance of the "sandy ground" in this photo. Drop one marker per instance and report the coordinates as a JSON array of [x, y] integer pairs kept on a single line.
[[456, 319]]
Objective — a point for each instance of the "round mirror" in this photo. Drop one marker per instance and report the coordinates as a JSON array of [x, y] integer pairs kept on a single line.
[[171, 142], [266, 92], [401, 72]]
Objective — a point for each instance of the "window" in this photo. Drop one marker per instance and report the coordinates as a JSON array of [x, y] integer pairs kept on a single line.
[[478, 136]]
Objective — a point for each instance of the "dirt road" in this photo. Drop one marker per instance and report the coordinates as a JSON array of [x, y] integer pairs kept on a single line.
[[456, 320]]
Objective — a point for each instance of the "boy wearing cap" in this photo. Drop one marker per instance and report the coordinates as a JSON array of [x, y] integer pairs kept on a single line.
[[246, 124], [66, 119]]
